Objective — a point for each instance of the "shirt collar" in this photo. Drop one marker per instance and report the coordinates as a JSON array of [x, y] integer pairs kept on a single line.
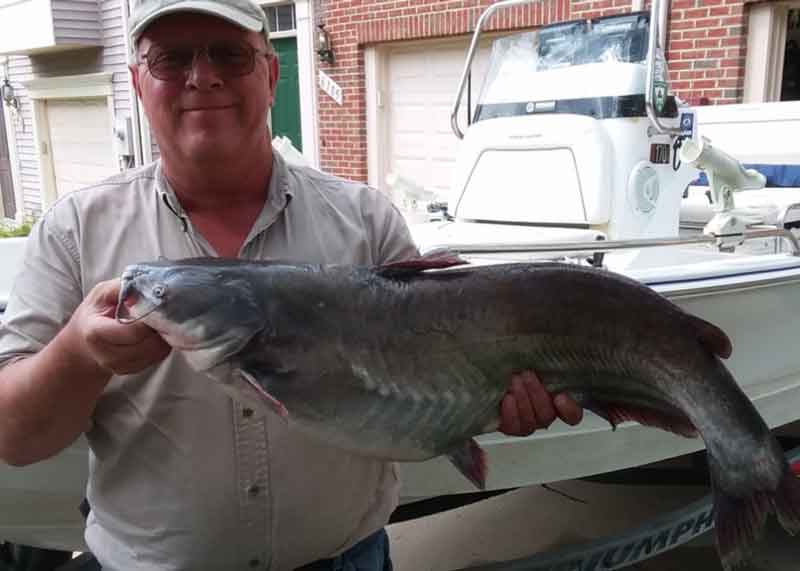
[[279, 194]]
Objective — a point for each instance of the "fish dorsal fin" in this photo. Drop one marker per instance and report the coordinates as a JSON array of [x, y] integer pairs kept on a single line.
[[712, 338], [434, 260]]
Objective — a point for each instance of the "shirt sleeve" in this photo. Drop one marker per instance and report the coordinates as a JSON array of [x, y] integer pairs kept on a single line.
[[45, 293], [392, 240]]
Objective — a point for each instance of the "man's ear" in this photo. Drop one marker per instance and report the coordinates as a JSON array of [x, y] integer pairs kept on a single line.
[[274, 75], [134, 69]]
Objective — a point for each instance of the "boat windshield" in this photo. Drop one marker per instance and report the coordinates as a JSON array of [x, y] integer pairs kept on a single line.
[[515, 59]]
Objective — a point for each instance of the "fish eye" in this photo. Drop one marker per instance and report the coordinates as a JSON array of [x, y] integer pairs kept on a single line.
[[159, 290]]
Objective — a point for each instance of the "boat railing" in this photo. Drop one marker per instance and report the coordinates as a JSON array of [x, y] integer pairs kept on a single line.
[[600, 247], [473, 46]]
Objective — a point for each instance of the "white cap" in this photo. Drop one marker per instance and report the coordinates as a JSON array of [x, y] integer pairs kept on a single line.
[[244, 13]]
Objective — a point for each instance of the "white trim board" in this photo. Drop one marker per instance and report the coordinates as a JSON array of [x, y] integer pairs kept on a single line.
[[306, 72], [67, 87]]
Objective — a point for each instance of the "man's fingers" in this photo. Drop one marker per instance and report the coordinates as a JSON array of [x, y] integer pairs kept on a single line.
[[525, 407], [108, 331], [509, 419], [123, 361], [535, 393], [568, 409], [106, 293]]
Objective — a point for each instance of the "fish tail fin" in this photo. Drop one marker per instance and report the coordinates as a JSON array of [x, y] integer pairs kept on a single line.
[[739, 521]]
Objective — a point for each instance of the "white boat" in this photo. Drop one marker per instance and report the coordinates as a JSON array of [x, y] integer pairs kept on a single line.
[[569, 156]]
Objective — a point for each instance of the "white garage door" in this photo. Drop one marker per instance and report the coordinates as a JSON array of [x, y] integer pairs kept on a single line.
[[421, 83], [81, 142]]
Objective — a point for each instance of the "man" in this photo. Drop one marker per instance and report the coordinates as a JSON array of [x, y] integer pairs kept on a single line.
[[182, 477]]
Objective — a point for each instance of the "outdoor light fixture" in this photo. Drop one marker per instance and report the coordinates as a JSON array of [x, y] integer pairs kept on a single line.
[[324, 49], [8, 96]]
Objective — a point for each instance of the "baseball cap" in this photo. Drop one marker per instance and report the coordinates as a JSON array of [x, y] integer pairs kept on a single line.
[[243, 13]]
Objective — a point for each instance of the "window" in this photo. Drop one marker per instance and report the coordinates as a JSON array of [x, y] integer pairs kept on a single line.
[[281, 18]]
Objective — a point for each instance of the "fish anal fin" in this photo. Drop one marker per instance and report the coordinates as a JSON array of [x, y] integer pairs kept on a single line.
[[616, 413], [470, 459], [712, 338], [437, 259]]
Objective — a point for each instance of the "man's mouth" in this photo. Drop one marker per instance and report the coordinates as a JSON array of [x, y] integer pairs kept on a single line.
[[207, 108]]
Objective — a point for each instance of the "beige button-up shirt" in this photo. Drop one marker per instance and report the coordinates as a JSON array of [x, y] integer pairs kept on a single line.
[[181, 476]]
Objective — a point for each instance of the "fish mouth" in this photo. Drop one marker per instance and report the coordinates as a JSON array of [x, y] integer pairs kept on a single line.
[[132, 304]]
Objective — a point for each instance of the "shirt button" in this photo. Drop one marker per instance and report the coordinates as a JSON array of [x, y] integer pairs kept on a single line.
[[254, 490], [254, 563], [247, 412]]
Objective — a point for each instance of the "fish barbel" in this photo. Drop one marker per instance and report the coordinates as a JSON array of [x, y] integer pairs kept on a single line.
[[401, 363]]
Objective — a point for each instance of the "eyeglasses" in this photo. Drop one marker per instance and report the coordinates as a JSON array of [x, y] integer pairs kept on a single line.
[[230, 59]]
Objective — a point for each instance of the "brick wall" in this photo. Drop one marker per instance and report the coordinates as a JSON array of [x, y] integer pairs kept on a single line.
[[705, 52], [597, 8]]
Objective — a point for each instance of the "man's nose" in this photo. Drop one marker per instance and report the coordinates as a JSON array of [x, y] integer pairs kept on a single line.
[[203, 74]]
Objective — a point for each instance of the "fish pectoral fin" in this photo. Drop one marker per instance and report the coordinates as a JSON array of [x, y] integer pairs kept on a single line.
[[616, 413], [272, 403], [470, 459], [712, 338], [437, 259]]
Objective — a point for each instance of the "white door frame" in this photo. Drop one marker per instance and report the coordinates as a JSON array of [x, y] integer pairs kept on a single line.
[[93, 85], [306, 72], [766, 47]]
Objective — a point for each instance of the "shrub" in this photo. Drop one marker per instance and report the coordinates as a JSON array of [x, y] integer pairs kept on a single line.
[[15, 231]]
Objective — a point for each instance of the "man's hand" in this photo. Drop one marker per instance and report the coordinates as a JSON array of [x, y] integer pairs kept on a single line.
[[47, 399], [115, 347], [528, 406]]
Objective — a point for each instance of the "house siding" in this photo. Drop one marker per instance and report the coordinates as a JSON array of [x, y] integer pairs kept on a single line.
[[115, 58], [75, 22], [705, 52], [110, 56]]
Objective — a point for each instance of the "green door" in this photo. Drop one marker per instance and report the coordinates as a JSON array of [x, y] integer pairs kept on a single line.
[[286, 111]]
